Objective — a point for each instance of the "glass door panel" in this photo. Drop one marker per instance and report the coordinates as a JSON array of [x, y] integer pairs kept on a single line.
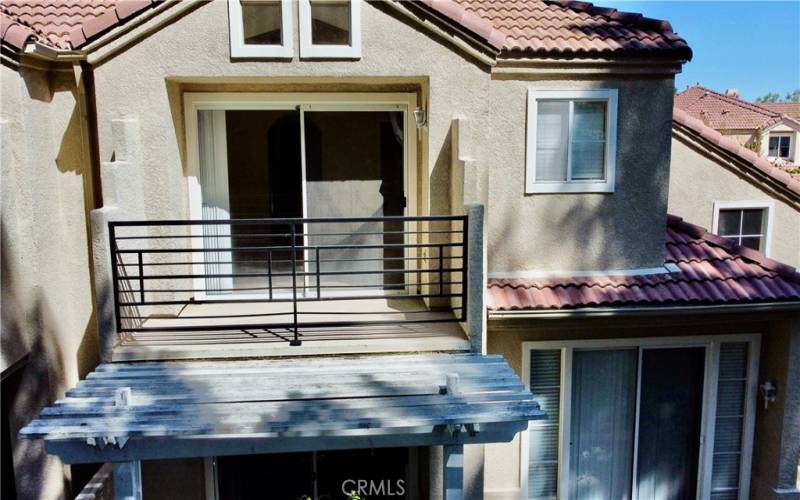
[[354, 168], [602, 424], [670, 414]]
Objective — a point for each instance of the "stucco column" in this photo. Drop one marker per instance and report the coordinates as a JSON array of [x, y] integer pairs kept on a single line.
[[476, 278]]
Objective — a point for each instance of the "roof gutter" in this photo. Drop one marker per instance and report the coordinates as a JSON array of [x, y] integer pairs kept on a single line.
[[607, 312]]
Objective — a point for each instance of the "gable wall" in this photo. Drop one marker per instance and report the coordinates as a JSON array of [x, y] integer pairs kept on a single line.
[[697, 181], [620, 231]]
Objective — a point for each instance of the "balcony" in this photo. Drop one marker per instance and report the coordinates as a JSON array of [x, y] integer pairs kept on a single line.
[[290, 286]]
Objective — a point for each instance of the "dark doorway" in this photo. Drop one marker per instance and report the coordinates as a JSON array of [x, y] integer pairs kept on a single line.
[[670, 412]]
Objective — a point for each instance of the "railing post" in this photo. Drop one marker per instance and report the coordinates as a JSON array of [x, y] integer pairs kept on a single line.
[[141, 278], [319, 287], [269, 272], [464, 261], [441, 270], [112, 246], [296, 340]]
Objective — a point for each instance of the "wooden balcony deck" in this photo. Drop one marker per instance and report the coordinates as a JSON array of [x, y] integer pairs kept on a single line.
[[430, 332]]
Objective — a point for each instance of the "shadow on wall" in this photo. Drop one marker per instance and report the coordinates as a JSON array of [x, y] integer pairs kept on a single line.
[[620, 230]]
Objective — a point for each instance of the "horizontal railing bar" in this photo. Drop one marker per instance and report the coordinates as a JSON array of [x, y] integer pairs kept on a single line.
[[285, 313], [289, 299], [288, 287], [286, 261], [267, 327], [297, 247], [285, 235], [289, 220], [264, 275]]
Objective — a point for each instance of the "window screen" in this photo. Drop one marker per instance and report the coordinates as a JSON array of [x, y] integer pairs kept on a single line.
[[779, 146], [545, 384], [729, 425]]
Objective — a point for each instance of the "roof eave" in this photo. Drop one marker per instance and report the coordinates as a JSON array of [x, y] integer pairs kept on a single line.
[[665, 310]]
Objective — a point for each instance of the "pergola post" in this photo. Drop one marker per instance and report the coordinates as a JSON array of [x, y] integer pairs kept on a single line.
[[453, 472], [128, 480]]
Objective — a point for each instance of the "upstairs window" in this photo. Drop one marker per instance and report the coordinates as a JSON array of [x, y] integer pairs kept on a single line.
[[746, 224], [571, 141], [780, 146], [261, 28], [330, 29]]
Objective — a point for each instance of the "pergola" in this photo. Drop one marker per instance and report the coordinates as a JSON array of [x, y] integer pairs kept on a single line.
[[127, 412]]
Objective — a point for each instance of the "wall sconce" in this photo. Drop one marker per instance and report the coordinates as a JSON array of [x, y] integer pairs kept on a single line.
[[420, 117], [769, 391]]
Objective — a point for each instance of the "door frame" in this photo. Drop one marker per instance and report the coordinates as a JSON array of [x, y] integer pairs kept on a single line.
[[708, 419], [302, 101]]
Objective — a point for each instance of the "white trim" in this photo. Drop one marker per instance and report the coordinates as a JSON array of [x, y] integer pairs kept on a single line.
[[240, 49], [642, 271], [768, 205], [309, 50], [711, 343], [194, 101], [597, 186]]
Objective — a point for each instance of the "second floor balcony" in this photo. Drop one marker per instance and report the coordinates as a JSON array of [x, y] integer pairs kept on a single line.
[[289, 286]]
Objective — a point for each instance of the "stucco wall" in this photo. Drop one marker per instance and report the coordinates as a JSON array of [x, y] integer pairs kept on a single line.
[[623, 230], [47, 311], [778, 353], [697, 181], [620, 230]]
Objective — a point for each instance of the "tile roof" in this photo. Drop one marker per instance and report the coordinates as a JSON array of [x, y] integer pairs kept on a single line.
[[711, 271], [790, 109], [15, 33], [748, 157], [69, 24], [531, 27], [725, 112], [563, 28]]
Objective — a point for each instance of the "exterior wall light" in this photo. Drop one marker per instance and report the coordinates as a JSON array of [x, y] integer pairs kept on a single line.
[[769, 391]]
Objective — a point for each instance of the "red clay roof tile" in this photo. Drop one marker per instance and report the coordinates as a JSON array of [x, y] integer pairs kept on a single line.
[[711, 270], [726, 112], [681, 118]]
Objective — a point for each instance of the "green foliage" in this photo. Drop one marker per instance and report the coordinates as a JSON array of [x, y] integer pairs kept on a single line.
[[793, 96], [770, 97]]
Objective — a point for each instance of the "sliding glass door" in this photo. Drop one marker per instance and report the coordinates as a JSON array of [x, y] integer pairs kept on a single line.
[[629, 419], [291, 160]]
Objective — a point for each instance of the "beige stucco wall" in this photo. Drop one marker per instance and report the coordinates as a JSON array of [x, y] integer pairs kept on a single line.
[[620, 230], [697, 181], [47, 311], [777, 429]]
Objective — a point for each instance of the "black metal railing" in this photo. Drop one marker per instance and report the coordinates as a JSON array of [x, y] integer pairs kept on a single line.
[[262, 275]]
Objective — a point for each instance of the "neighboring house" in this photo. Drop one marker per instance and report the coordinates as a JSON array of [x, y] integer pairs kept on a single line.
[[404, 245], [771, 130], [722, 185]]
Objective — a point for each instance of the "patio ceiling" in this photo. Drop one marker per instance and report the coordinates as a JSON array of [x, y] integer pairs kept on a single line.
[[150, 410]]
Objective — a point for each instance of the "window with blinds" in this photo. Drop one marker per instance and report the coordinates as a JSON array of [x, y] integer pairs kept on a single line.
[[730, 419], [545, 384]]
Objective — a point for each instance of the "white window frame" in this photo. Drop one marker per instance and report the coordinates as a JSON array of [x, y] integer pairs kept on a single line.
[[610, 96], [790, 135], [240, 49], [309, 50], [767, 205], [712, 344], [356, 101]]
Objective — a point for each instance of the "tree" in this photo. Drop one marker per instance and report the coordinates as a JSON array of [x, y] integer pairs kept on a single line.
[[770, 97], [793, 96]]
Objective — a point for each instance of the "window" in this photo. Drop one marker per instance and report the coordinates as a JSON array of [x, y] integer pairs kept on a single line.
[[746, 224], [261, 28], [780, 146], [330, 28], [571, 141], [634, 418]]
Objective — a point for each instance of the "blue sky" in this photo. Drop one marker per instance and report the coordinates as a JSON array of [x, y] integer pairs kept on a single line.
[[753, 46]]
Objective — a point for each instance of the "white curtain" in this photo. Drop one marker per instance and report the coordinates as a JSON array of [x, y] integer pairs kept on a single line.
[[552, 139], [603, 413], [215, 204]]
